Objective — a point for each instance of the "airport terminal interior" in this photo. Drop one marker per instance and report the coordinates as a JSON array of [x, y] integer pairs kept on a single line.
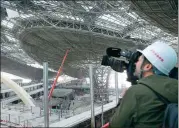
[[51, 57]]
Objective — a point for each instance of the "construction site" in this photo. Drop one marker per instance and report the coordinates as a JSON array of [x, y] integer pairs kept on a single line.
[[59, 47]]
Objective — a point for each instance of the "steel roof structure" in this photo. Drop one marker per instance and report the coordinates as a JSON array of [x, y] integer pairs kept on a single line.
[[44, 30], [163, 13]]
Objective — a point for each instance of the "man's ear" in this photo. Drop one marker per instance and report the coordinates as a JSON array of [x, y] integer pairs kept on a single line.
[[148, 67]]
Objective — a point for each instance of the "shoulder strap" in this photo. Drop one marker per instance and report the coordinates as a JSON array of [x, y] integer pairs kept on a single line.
[[163, 99]]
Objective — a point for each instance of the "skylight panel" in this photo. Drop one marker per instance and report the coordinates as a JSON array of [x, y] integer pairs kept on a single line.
[[7, 48], [59, 15], [132, 15], [11, 38], [117, 20], [26, 15], [142, 33], [7, 24], [121, 18], [87, 8], [40, 2], [12, 13], [109, 26]]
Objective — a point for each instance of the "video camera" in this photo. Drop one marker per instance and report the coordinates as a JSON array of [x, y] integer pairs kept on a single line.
[[111, 59], [120, 65]]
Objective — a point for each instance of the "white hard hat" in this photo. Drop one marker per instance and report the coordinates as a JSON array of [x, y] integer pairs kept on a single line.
[[161, 55]]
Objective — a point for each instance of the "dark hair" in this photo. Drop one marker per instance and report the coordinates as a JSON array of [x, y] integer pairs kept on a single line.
[[146, 61]]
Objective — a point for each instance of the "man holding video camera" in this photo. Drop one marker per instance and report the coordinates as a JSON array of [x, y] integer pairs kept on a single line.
[[144, 104]]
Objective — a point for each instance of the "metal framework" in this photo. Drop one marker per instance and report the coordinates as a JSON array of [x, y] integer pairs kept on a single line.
[[101, 78], [163, 13], [42, 31]]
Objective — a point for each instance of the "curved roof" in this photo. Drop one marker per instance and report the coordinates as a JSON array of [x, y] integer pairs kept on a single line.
[[84, 47], [43, 30], [163, 13]]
